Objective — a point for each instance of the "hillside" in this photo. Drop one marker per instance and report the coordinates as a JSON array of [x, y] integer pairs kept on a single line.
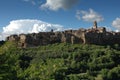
[[60, 61]]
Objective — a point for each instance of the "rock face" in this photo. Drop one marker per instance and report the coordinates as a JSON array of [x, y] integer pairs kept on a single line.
[[94, 35]]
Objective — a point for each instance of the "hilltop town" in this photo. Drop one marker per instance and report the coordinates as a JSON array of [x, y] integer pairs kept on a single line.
[[95, 35]]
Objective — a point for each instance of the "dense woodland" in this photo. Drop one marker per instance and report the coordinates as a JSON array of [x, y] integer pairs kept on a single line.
[[60, 61]]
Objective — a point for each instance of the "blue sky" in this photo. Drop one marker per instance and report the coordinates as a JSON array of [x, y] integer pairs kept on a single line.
[[66, 13]]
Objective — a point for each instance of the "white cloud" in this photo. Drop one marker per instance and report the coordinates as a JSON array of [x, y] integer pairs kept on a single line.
[[58, 4], [28, 26], [117, 30], [33, 2], [0, 36], [116, 23], [89, 16]]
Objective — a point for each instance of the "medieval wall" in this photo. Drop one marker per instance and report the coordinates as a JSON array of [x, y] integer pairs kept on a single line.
[[82, 36]]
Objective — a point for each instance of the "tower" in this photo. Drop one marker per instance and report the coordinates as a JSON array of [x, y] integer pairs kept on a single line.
[[95, 25]]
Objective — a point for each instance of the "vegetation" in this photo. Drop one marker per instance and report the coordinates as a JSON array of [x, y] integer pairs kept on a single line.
[[60, 62]]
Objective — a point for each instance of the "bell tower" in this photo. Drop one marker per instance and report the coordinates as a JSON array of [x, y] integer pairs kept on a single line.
[[95, 25]]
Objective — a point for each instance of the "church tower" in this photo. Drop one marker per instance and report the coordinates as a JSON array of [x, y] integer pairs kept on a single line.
[[95, 25]]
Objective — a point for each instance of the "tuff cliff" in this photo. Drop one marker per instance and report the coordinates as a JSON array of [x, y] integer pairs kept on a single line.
[[95, 35]]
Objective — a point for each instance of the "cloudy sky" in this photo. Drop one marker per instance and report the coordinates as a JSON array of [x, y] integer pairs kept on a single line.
[[27, 16]]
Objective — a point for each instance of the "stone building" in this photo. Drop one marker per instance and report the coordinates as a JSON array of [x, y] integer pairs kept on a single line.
[[95, 35]]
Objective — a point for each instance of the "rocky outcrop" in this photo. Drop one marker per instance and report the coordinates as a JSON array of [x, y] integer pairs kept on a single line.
[[95, 35]]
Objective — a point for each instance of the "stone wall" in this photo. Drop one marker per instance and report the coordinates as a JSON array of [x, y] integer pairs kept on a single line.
[[82, 36]]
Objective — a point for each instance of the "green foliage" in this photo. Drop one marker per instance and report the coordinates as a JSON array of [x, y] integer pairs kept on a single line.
[[8, 57], [59, 62], [113, 74]]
